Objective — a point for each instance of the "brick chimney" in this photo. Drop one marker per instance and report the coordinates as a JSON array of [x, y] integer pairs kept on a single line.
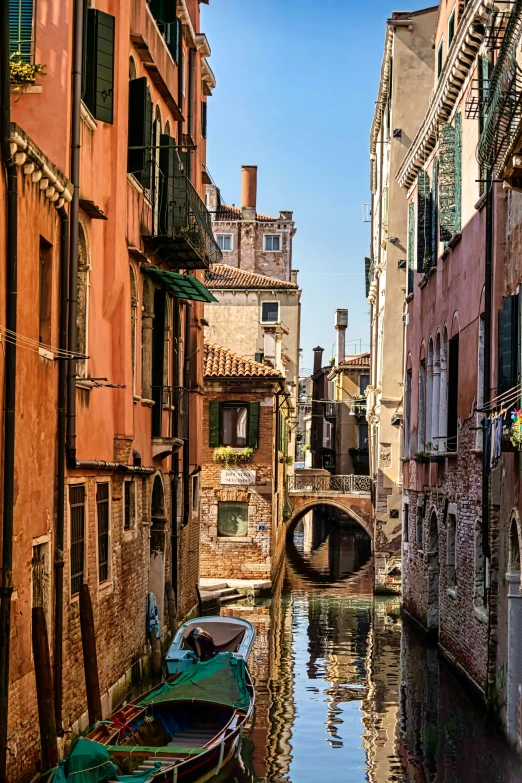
[[248, 192], [318, 358], [293, 275], [341, 324]]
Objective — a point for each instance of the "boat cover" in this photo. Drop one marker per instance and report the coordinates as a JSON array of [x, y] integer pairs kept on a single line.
[[226, 636], [90, 762], [222, 680]]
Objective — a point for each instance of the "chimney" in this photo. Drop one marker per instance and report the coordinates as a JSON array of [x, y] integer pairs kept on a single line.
[[341, 324], [285, 214], [318, 358], [293, 275], [249, 192]]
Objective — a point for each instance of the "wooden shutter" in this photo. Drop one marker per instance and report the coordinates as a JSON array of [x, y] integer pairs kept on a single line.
[[204, 119], [163, 10], [423, 222], [99, 76], [508, 344], [214, 424], [253, 425], [21, 29], [166, 185], [411, 245], [447, 182], [137, 112], [458, 171], [434, 213]]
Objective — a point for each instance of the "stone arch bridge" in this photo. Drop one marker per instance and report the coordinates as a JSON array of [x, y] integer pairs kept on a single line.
[[350, 494]]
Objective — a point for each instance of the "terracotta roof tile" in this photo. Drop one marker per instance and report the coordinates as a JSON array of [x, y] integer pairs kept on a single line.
[[221, 362], [224, 276], [226, 212], [362, 360]]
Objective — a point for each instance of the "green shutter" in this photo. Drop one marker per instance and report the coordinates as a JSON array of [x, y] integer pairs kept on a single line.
[[214, 416], [21, 29], [140, 131], [253, 425], [99, 76], [166, 185], [172, 33], [423, 222], [411, 245], [434, 214], [458, 171], [163, 10], [447, 182]]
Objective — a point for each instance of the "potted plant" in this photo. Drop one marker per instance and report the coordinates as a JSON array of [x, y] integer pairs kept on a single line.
[[422, 457], [23, 74], [229, 456], [515, 433]]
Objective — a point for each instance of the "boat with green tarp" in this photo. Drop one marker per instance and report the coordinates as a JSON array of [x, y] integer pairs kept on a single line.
[[185, 729]]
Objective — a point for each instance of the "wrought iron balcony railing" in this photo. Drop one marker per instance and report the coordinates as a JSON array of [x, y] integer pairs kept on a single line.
[[358, 407], [340, 485], [330, 411], [181, 224]]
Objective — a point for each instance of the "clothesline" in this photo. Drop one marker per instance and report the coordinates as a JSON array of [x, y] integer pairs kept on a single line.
[[506, 398]]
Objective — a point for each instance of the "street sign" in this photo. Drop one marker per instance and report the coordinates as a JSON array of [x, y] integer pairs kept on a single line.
[[237, 476]]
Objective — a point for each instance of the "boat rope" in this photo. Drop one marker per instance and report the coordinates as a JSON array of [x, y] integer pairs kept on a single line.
[[221, 754]]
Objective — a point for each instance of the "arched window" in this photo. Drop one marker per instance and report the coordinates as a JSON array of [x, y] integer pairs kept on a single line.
[[147, 319], [167, 128], [132, 69], [443, 407], [156, 136], [435, 402], [514, 548], [134, 323], [82, 314], [158, 500], [421, 423], [429, 397]]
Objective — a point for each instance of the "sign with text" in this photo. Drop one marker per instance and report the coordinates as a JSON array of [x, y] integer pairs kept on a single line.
[[237, 476]]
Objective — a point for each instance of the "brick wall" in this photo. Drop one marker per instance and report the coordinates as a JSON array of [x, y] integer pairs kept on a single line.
[[256, 555], [463, 628]]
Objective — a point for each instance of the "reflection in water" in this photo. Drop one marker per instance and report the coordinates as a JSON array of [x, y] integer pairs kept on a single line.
[[344, 691]]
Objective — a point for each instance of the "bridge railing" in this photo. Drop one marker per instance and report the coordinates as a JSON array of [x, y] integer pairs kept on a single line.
[[340, 485]]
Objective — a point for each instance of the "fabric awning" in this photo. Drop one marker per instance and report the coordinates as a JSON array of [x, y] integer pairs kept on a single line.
[[182, 286]]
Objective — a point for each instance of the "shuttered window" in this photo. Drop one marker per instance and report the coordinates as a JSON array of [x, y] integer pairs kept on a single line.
[[411, 245], [21, 29], [508, 344], [458, 171], [77, 547], [163, 11], [423, 222], [453, 393], [99, 65], [446, 182], [435, 213], [102, 514], [234, 424], [140, 131]]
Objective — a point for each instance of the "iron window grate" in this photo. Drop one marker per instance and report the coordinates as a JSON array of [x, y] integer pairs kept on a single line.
[[102, 512], [77, 507]]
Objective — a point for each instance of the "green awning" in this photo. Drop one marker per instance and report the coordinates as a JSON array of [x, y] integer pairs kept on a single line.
[[182, 286]]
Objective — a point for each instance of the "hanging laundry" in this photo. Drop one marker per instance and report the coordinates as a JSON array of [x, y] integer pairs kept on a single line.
[[496, 439], [153, 621]]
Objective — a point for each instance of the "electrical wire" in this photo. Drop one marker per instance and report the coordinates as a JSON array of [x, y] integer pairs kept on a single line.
[[14, 338]]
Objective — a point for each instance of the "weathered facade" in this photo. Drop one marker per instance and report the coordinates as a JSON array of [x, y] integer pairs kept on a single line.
[[242, 527], [122, 517], [347, 414], [404, 89]]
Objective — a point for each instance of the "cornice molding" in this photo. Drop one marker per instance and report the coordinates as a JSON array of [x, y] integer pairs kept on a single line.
[[51, 181]]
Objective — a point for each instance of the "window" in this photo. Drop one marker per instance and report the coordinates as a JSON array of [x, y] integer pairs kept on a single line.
[[98, 92], [77, 548], [204, 119], [82, 313], [411, 246], [439, 58], [270, 312], [451, 28], [480, 380], [405, 523], [407, 415], [225, 241], [480, 576], [21, 29], [195, 495], [420, 527], [232, 519], [134, 324], [421, 424], [129, 508], [272, 242], [45, 292], [140, 131], [514, 548], [234, 425], [451, 558], [453, 393], [164, 13], [424, 258], [102, 515], [364, 380]]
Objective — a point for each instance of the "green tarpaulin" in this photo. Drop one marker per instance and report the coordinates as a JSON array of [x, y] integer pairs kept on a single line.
[[89, 762], [222, 680]]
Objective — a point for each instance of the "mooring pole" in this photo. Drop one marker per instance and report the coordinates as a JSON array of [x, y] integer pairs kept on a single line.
[[90, 659], [44, 690]]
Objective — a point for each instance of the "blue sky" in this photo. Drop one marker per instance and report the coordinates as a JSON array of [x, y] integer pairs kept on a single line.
[[296, 87]]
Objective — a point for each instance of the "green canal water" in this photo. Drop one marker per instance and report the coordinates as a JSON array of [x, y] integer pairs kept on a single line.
[[346, 693]]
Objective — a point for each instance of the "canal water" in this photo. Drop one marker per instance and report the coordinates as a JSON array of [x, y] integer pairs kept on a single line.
[[345, 692]]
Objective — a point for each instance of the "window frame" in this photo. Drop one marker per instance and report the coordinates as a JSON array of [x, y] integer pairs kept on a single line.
[[233, 406], [419, 527], [195, 495], [271, 236], [129, 481], [274, 302], [440, 58], [106, 501], [451, 27], [223, 234], [241, 535], [74, 595]]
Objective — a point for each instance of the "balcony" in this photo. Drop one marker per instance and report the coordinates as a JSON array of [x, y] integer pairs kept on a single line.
[[358, 407], [181, 228], [330, 411]]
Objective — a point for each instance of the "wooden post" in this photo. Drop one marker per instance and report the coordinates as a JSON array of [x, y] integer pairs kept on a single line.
[[44, 690], [171, 598], [90, 659]]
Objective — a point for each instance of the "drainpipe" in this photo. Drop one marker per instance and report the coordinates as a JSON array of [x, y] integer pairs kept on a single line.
[[60, 505], [186, 387], [175, 457], [11, 221], [74, 210]]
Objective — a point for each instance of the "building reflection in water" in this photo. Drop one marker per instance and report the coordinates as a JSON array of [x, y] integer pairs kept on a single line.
[[344, 691]]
